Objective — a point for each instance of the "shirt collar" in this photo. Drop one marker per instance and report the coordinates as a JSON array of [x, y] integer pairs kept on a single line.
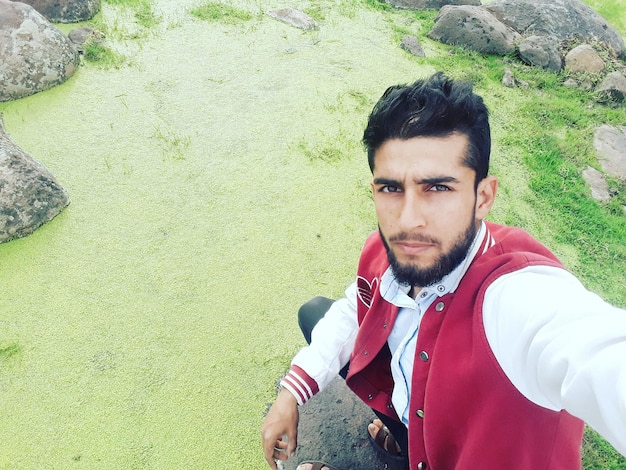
[[397, 294]]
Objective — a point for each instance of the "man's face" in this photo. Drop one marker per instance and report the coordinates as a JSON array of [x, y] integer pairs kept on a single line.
[[428, 210]]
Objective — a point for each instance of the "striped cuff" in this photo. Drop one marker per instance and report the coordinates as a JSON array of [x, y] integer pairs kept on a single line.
[[300, 384]]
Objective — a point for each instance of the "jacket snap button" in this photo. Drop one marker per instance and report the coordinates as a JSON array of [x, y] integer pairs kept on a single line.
[[370, 396], [420, 413], [424, 356], [421, 466], [439, 307]]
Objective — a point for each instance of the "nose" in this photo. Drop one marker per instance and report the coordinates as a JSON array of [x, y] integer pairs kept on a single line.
[[411, 213]]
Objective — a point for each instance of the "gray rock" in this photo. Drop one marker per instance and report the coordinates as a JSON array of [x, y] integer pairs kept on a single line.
[[30, 196], [559, 19], [599, 186], [542, 52], [35, 55], [510, 81], [80, 36], [584, 59], [412, 45], [475, 28], [613, 88], [294, 17], [610, 145], [65, 11], [333, 429], [428, 4]]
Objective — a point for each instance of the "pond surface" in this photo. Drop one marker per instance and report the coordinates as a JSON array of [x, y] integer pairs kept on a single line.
[[217, 183]]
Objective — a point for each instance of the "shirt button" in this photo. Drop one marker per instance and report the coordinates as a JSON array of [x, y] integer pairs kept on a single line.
[[420, 413], [439, 307], [424, 356], [441, 288], [421, 466]]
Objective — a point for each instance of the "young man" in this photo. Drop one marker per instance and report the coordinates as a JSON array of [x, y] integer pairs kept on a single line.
[[469, 340]]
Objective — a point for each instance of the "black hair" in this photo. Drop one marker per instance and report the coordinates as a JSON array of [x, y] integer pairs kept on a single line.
[[434, 107]]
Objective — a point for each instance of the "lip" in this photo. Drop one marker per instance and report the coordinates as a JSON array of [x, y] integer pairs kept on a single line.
[[413, 249]]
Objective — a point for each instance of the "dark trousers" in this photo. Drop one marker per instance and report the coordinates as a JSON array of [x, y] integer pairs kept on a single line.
[[308, 316]]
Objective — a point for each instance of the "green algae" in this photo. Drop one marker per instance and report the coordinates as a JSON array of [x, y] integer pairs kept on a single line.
[[156, 313], [217, 182]]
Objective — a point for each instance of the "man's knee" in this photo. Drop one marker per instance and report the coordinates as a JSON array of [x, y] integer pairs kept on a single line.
[[310, 313]]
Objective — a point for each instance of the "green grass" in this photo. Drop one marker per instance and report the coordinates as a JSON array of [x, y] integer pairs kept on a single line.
[[222, 12]]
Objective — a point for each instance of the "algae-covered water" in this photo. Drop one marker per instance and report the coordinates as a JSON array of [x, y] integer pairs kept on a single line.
[[217, 182]]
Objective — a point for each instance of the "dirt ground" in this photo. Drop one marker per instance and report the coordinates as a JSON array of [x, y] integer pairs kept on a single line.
[[333, 429]]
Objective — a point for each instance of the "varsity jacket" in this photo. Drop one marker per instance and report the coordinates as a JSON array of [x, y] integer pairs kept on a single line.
[[465, 413]]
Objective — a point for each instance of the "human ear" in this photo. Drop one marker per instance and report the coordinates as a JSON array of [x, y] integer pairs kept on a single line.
[[485, 196]]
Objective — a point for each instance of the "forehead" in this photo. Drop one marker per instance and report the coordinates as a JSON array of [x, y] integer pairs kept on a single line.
[[423, 155]]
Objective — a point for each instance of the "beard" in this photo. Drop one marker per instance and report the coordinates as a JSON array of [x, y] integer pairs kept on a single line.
[[415, 276]]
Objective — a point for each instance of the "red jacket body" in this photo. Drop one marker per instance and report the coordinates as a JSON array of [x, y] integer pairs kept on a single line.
[[465, 413]]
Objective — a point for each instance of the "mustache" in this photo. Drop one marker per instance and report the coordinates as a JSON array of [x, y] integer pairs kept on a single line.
[[413, 237]]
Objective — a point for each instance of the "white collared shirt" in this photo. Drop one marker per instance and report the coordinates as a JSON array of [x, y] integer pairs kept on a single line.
[[403, 337]]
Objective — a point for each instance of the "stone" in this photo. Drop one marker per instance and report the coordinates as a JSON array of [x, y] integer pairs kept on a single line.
[[541, 52], [428, 4], [30, 195], [557, 19], [333, 429], [35, 55], [510, 81], [475, 28], [610, 145], [65, 11], [80, 36], [584, 59], [295, 18], [598, 184], [613, 88], [412, 45]]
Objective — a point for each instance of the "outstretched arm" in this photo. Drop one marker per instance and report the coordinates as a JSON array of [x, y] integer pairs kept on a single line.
[[280, 428]]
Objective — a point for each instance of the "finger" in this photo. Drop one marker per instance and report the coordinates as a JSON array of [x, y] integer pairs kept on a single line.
[[291, 443]]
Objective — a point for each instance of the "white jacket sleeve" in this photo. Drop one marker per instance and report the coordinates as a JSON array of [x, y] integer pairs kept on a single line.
[[332, 342], [562, 346]]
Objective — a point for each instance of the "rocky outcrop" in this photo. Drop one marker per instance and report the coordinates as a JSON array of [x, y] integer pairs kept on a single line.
[[537, 28], [475, 28], [557, 19], [294, 17], [429, 4], [65, 11], [35, 55], [30, 196]]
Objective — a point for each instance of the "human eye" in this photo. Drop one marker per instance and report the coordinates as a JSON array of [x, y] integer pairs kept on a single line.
[[439, 187], [389, 188]]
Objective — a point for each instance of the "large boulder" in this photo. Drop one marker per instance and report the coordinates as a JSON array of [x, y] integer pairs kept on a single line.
[[475, 28], [30, 196], [559, 19], [429, 4], [65, 11], [34, 54]]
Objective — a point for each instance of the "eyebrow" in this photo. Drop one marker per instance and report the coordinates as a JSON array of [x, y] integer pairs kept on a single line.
[[433, 180]]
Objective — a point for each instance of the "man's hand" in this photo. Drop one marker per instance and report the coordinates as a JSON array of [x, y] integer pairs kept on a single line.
[[281, 422]]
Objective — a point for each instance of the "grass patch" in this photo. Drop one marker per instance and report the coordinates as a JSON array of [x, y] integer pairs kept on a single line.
[[9, 350], [98, 53], [217, 11]]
